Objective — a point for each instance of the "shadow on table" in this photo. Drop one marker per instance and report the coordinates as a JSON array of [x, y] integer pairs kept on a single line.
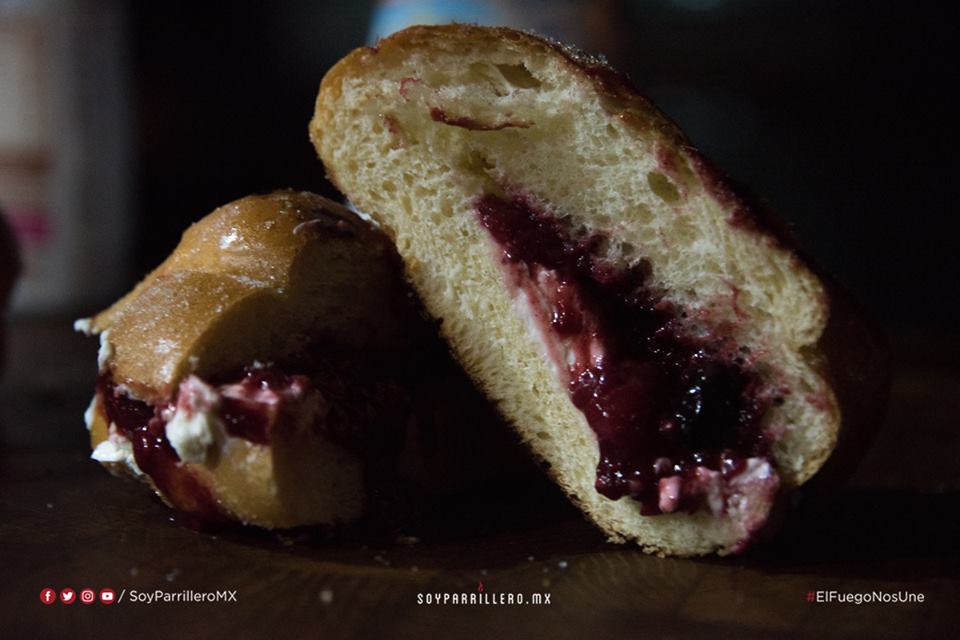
[[870, 533], [499, 525], [876, 533]]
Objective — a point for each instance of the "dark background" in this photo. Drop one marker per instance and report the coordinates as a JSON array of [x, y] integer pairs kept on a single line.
[[841, 115]]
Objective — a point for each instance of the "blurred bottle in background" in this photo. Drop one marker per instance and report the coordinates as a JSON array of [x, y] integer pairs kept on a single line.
[[9, 270], [65, 172], [589, 25]]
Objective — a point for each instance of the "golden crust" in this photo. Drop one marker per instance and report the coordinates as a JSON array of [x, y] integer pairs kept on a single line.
[[855, 357], [257, 279], [253, 280]]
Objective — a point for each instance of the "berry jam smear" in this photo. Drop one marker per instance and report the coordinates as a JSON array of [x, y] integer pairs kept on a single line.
[[142, 424], [677, 417], [247, 409]]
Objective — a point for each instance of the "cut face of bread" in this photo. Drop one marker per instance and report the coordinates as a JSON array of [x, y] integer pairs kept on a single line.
[[649, 335], [255, 374]]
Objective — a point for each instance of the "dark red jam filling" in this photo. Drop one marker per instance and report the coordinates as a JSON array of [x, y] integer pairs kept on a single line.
[[243, 415], [362, 407], [142, 425], [661, 403]]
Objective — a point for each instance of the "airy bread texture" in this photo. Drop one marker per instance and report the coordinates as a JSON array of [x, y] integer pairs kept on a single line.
[[256, 280], [414, 130]]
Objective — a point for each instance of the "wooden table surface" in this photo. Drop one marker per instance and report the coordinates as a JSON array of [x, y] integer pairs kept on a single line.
[[65, 522]]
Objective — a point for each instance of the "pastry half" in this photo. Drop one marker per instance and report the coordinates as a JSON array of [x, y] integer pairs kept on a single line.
[[254, 375], [652, 336]]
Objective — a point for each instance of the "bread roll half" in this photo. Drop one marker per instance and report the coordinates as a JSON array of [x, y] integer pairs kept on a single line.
[[652, 337], [252, 376]]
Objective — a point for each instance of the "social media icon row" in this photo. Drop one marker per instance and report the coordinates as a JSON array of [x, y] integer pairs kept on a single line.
[[69, 596]]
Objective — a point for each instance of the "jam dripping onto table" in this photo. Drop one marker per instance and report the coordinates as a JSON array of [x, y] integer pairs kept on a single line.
[[662, 404]]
